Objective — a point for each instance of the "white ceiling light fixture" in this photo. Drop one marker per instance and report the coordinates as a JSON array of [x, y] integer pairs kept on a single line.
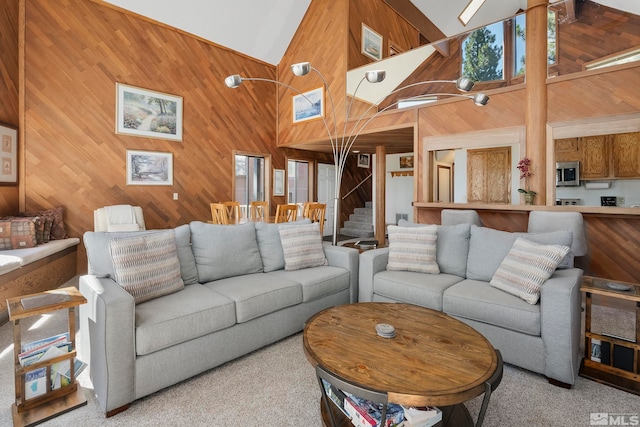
[[469, 11]]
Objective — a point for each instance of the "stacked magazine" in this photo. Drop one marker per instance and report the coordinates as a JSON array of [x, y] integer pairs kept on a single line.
[[365, 413], [41, 351]]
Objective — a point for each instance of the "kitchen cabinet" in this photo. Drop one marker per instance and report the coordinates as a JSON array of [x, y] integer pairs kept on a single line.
[[594, 156], [626, 155]]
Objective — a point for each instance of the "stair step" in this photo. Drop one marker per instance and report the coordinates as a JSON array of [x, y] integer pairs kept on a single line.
[[358, 225], [355, 233], [363, 211], [361, 218], [368, 205]]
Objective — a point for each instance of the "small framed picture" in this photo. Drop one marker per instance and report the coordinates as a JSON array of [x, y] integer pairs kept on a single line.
[[308, 105], [8, 154], [278, 182], [149, 168], [143, 112], [371, 44], [364, 160], [406, 162]]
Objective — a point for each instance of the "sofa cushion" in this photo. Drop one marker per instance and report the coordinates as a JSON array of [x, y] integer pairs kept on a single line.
[[413, 288], [488, 247], [317, 282], [258, 294], [452, 248], [224, 250], [188, 269], [302, 246], [269, 244], [479, 301], [99, 258], [413, 249], [147, 265], [172, 319], [526, 267]]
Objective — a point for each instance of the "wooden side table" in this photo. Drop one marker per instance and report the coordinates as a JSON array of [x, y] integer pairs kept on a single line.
[[35, 410], [609, 359]]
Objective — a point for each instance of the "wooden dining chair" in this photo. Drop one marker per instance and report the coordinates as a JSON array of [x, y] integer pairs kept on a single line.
[[315, 212], [233, 211], [286, 213], [259, 210], [219, 213]]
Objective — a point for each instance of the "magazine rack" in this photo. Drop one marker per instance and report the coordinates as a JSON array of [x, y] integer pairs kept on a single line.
[[37, 409]]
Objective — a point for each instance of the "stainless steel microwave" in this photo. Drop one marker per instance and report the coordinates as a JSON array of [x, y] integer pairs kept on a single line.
[[567, 174]]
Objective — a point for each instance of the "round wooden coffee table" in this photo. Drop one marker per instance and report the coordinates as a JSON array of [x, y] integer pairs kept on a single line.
[[434, 359]]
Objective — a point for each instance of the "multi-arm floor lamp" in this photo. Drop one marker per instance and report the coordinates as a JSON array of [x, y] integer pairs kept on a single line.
[[341, 143]]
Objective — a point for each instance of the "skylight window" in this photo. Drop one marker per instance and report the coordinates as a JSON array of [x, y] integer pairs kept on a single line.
[[470, 10]]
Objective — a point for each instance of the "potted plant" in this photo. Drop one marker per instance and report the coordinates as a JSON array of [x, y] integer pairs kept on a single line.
[[525, 173]]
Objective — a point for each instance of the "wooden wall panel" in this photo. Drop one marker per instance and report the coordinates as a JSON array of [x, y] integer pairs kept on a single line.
[[384, 20], [613, 241], [9, 79], [76, 51]]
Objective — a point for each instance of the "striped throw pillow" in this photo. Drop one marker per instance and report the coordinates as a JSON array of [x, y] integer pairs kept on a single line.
[[526, 267], [147, 265], [302, 246], [413, 249]]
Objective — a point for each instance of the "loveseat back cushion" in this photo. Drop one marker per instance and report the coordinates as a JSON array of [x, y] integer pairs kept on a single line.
[[488, 247], [558, 237], [147, 265], [99, 259], [269, 243], [413, 249], [452, 248], [224, 250]]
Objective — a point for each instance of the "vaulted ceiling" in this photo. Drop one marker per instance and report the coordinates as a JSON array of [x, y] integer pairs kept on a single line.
[[263, 29]]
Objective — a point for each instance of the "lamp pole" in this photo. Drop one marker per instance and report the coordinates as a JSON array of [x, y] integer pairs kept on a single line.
[[341, 144]]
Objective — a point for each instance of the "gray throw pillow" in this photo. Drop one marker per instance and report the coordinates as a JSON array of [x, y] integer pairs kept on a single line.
[[452, 248], [224, 250], [487, 249]]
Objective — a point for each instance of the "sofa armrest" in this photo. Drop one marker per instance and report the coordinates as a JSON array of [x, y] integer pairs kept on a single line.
[[107, 344], [348, 258], [371, 262], [560, 307]]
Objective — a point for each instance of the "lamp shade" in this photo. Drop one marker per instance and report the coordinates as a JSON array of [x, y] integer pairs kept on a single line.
[[233, 81], [480, 99], [301, 68], [464, 84], [375, 76]]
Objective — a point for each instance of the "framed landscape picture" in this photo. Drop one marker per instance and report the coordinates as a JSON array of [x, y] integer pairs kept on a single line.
[[278, 182], [149, 168], [364, 160], [308, 105], [143, 112], [8, 154], [371, 44]]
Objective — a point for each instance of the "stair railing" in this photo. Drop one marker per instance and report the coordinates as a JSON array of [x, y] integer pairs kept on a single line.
[[357, 186]]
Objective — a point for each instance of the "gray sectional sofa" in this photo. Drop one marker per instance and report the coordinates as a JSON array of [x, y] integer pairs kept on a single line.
[[237, 297], [542, 337]]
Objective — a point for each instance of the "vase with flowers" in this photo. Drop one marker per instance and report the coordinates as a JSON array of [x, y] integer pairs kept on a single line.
[[524, 166]]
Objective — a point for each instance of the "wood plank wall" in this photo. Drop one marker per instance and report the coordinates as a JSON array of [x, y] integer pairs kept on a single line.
[[76, 51], [9, 81]]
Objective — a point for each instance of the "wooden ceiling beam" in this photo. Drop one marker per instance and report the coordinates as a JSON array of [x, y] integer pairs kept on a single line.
[[412, 14]]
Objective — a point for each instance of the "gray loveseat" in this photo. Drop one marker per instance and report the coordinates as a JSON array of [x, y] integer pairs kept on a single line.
[[542, 337], [237, 297]]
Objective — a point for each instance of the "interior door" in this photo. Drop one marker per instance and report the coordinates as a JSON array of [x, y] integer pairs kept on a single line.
[[326, 193]]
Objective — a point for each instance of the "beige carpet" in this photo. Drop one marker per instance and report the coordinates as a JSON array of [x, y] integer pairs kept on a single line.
[[276, 386]]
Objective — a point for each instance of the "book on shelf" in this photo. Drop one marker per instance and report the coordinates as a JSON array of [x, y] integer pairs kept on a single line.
[[34, 346], [335, 395], [422, 416]]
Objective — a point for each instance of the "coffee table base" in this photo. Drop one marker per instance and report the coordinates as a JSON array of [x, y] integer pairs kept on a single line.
[[452, 416]]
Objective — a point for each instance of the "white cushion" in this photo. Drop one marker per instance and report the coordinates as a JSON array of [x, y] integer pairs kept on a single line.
[[302, 246], [413, 249], [526, 267], [147, 265]]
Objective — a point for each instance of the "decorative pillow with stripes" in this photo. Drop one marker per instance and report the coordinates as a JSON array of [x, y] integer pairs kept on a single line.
[[147, 265], [526, 267], [302, 246], [413, 249]]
